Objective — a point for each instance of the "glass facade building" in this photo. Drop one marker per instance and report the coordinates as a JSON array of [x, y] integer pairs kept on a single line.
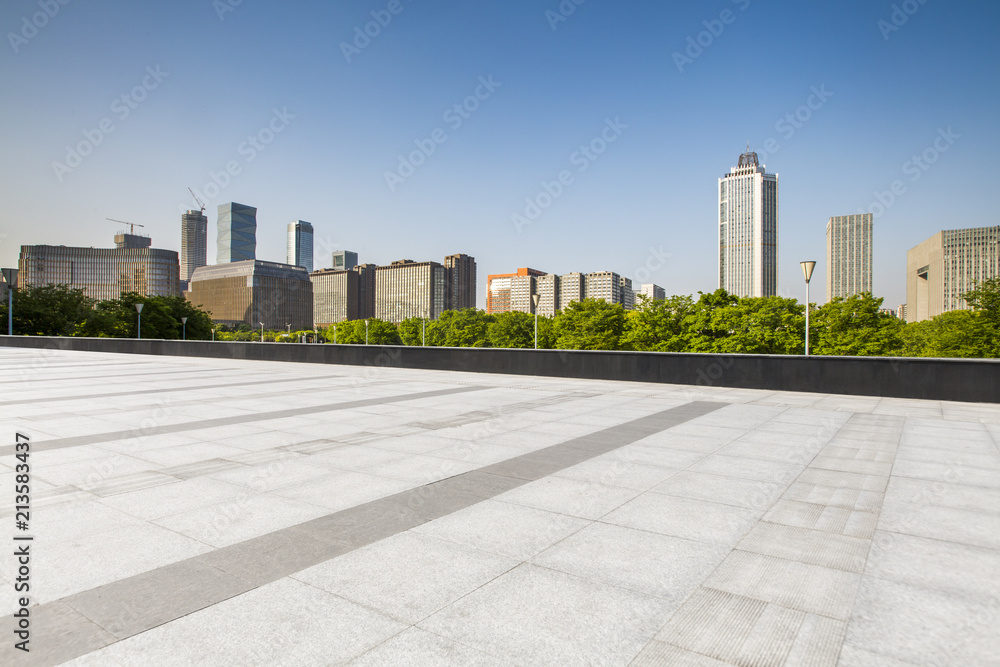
[[748, 229], [237, 240], [344, 260], [336, 297], [300, 245], [252, 291], [461, 281], [848, 255], [103, 273]]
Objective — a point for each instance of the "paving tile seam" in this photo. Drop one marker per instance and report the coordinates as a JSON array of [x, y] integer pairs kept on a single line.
[[125, 376], [62, 443], [652, 424], [819, 452]]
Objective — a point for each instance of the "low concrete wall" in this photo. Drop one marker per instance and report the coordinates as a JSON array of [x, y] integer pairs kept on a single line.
[[973, 380]]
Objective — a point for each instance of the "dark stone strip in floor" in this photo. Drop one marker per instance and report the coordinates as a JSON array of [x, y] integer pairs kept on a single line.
[[62, 443], [130, 606]]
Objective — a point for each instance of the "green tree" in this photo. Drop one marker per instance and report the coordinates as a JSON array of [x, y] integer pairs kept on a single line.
[[591, 324], [161, 318], [411, 330], [347, 333], [761, 325], [381, 333], [513, 330], [658, 325], [460, 328], [48, 310], [958, 333], [853, 326], [702, 328]]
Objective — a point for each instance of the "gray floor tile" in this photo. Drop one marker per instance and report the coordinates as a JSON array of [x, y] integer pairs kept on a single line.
[[691, 519], [535, 616], [807, 546]]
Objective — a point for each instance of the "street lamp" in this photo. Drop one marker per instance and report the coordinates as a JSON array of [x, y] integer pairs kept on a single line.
[[807, 272], [366, 332], [138, 309], [9, 277], [213, 335], [262, 332], [334, 334], [535, 298], [184, 324], [289, 330], [423, 332]]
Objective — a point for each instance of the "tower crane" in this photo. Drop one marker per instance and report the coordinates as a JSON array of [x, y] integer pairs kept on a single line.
[[200, 202], [132, 225]]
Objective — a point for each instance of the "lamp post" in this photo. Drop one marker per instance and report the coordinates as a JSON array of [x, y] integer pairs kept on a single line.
[[807, 273], [184, 324], [534, 300], [262, 332], [334, 334], [8, 276], [423, 333], [289, 330], [213, 335], [138, 310], [366, 332]]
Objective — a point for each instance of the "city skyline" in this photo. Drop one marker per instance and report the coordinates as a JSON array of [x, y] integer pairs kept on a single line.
[[849, 134]]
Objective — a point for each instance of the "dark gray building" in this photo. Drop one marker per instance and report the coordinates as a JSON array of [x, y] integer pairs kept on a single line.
[[252, 292], [194, 243]]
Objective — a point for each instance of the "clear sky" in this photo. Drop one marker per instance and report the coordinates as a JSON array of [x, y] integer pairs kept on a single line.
[[200, 78]]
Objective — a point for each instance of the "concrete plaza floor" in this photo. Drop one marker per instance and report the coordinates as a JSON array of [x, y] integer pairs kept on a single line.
[[193, 511]]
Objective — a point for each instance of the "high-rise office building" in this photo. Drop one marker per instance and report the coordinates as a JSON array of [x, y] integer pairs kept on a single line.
[[366, 289], [194, 243], [572, 287], [627, 293], [344, 260], [748, 229], [103, 273], [336, 297], [943, 268], [237, 240], [604, 285], [848, 255], [300, 245], [499, 291], [252, 291], [340, 295], [547, 288], [461, 281], [652, 292], [407, 289]]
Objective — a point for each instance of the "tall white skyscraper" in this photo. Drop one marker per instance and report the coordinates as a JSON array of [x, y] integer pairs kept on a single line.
[[848, 255], [300, 245], [748, 229]]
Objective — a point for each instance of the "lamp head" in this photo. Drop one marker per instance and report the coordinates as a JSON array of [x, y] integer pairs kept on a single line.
[[807, 270], [138, 307]]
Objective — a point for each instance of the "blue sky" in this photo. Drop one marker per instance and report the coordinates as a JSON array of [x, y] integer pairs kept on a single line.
[[644, 207]]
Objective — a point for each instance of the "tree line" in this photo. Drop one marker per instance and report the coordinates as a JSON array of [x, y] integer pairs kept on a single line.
[[715, 322]]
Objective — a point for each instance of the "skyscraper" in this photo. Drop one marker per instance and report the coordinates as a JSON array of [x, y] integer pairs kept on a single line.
[[943, 268], [237, 240], [652, 292], [252, 291], [748, 229], [506, 292], [848, 255], [461, 281], [300, 245], [194, 243]]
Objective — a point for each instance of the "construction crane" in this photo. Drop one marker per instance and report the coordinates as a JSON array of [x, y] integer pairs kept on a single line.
[[132, 225], [200, 202]]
